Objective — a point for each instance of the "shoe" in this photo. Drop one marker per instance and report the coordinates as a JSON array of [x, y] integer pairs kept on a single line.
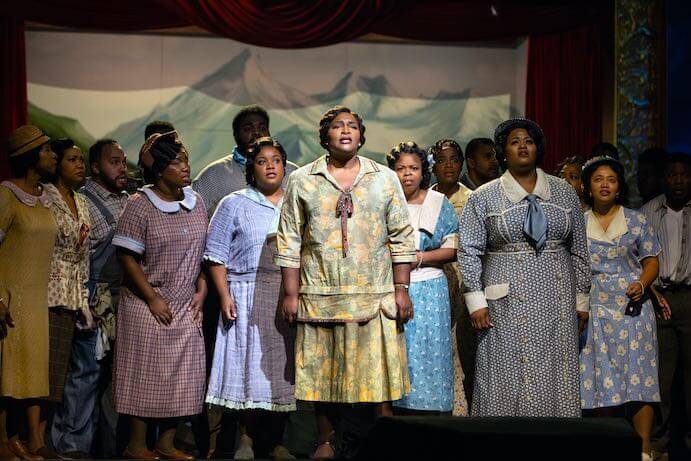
[[244, 452], [47, 453], [175, 454], [75, 455], [143, 454], [281, 453], [17, 447], [328, 444], [6, 454]]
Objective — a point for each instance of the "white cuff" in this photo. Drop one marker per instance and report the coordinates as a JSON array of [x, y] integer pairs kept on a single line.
[[475, 300], [129, 244], [582, 302]]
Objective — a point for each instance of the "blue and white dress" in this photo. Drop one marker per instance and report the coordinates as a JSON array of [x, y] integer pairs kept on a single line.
[[428, 335], [253, 365], [619, 358], [527, 364]]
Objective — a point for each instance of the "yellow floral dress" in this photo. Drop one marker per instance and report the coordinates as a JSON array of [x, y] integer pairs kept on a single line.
[[349, 347]]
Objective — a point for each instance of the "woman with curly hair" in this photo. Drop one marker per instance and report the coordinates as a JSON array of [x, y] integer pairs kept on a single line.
[[345, 245], [428, 335], [619, 371]]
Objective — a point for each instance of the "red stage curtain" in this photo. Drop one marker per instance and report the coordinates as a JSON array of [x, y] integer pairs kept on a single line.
[[564, 94], [13, 102]]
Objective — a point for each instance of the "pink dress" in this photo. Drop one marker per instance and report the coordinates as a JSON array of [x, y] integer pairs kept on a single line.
[[159, 370]]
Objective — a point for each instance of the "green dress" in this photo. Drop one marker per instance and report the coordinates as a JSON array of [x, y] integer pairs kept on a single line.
[[348, 347]]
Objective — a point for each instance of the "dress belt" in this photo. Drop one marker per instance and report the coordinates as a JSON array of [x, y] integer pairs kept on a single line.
[[551, 246]]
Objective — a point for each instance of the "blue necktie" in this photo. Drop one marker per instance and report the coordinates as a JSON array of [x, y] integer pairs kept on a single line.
[[535, 224]]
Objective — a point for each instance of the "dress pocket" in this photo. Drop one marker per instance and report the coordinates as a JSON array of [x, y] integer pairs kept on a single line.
[[498, 291]]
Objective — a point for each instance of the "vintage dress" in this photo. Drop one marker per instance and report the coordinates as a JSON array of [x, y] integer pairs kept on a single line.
[[527, 364], [348, 346], [27, 237], [462, 331], [253, 364], [69, 274], [428, 334], [619, 359], [159, 370]]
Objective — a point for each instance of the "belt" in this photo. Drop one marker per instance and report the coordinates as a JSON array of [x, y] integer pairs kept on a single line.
[[673, 287], [551, 246]]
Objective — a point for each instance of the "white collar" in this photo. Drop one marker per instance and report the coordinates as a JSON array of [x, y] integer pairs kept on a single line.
[[188, 202], [515, 192], [616, 228], [431, 207]]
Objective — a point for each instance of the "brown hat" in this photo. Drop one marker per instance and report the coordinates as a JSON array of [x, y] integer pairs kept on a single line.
[[25, 138]]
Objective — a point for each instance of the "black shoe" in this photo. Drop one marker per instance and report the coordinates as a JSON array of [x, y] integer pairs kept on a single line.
[[75, 455]]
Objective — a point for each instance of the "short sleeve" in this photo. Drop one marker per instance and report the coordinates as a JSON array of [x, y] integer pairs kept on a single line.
[[648, 245], [131, 231], [447, 226], [7, 210], [290, 226], [400, 232], [220, 235]]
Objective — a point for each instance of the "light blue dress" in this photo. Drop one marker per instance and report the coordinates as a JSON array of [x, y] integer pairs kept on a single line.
[[253, 365], [428, 334], [619, 358]]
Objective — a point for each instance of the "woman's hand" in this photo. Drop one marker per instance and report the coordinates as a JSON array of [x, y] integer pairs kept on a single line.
[[5, 320], [635, 291], [290, 308], [197, 306], [228, 309], [480, 319], [160, 310], [404, 306], [582, 321]]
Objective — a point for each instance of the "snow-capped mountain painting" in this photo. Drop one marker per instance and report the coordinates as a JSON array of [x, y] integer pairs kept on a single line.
[[403, 92]]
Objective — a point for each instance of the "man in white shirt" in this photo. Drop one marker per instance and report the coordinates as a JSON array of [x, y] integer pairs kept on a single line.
[[670, 216]]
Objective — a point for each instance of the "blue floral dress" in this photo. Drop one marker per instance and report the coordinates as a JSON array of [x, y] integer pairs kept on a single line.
[[428, 335], [619, 356]]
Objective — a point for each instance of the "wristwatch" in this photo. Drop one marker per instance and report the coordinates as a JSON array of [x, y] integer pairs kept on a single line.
[[401, 285]]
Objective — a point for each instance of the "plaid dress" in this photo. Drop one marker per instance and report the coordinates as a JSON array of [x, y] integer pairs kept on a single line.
[[254, 363], [159, 371]]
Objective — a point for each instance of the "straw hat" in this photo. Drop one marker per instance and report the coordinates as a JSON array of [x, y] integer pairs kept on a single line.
[[24, 139]]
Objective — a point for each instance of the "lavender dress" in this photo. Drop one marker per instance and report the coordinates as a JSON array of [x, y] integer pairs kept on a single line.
[[253, 364]]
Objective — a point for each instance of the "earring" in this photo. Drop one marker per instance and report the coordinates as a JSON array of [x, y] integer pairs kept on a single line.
[[359, 144]]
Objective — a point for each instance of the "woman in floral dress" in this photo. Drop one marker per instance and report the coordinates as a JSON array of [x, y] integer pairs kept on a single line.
[[619, 358]]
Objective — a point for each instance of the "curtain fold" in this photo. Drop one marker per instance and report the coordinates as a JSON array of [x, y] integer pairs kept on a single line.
[[564, 92], [13, 99]]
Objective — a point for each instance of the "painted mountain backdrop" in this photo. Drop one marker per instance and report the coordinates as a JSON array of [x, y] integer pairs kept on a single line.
[[203, 112]]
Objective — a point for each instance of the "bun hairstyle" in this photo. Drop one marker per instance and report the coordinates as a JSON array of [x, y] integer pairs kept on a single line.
[[253, 150], [409, 147], [329, 116]]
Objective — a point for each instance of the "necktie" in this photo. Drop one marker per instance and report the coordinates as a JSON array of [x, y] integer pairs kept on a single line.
[[535, 224], [344, 210]]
